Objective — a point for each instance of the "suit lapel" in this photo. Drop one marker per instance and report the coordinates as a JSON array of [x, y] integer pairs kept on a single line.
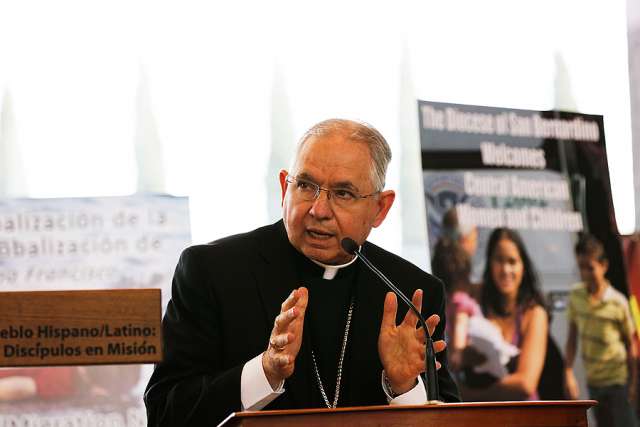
[[276, 277], [275, 273]]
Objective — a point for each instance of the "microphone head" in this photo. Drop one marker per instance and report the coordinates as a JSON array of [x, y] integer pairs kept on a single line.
[[349, 245]]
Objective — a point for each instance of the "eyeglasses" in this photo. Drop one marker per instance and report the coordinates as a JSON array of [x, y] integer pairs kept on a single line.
[[310, 191]]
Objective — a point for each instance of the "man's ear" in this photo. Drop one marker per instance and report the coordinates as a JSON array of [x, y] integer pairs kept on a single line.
[[283, 183], [384, 203]]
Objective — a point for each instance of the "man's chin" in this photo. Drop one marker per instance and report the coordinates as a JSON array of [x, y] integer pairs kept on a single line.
[[325, 256]]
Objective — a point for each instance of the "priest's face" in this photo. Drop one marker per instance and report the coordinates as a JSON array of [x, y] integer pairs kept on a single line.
[[316, 225]]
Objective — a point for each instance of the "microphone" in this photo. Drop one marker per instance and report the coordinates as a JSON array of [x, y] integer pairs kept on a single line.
[[351, 247]]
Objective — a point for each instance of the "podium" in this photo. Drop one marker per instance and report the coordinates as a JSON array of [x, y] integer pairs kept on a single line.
[[561, 413]]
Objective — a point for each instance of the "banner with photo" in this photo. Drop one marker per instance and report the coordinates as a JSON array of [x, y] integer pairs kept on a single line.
[[86, 243], [542, 173]]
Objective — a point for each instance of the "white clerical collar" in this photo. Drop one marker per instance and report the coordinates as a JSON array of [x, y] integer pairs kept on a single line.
[[330, 271]]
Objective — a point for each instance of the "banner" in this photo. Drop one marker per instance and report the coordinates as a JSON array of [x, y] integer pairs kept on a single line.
[[85, 243], [543, 173]]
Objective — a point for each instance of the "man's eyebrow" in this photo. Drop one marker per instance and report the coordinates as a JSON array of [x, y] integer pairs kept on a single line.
[[347, 185], [305, 175]]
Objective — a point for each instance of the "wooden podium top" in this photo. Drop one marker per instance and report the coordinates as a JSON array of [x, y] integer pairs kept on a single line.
[[556, 413]]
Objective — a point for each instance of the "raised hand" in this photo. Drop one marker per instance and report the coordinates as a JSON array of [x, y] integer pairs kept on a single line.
[[278, 361], [402, 347]]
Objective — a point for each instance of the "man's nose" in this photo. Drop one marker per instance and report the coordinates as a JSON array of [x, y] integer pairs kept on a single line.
[[321, 207]]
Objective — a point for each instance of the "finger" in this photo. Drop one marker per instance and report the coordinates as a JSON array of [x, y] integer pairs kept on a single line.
[[390, 310], [411, 318], [279, 341], [303, 299], [296, 325], [439, 346], [280, 359], [289, 302], [432, 322], [422, 353], [420, 335], [295, 298], [438, 365], [284, 319]]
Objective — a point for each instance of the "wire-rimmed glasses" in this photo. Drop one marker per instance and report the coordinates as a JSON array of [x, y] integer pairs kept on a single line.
[[309, 191]]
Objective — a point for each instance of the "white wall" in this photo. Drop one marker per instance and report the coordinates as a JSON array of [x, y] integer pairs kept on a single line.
[[225, 88]]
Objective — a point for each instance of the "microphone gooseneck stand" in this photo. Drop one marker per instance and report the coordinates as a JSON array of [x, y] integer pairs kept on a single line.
[[350, 246]]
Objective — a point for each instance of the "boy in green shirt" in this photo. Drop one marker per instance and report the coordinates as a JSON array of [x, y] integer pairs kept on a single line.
[[599, 315]]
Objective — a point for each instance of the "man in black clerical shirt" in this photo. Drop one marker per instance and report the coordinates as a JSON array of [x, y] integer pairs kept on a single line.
[[282, 317]]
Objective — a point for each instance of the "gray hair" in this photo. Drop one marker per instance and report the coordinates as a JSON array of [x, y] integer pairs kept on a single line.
[[356, 132]]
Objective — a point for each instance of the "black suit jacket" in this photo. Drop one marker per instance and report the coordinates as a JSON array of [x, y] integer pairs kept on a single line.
[[225, 297]]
